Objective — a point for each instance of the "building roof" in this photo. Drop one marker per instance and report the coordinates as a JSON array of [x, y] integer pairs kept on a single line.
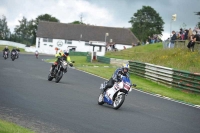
[[57, 30]]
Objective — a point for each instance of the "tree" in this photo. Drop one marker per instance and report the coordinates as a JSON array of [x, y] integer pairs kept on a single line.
[[198, 13], [45, 17], [77, 22], [146, 22], [4, 30]]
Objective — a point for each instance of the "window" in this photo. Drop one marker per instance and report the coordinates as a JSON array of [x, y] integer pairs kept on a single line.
[[44, 39], [86, 43], [68, 41], [50, 40], [47, 40]]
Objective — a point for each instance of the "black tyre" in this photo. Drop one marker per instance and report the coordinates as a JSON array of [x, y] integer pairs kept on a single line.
[[119, 100], [100, 99], [49, 77], [59, 76]]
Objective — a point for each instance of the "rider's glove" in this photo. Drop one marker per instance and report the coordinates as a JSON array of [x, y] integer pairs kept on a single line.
[[71, 65]]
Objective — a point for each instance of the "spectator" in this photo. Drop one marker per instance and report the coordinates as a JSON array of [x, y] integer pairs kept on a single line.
[[173, 38], [193, 39], [149, 40], [186, 34], [189, 34]]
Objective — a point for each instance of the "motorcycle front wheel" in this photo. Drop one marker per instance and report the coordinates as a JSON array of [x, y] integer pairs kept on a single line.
[[119, 100], [100, 99], [49, 77], [59, 76]]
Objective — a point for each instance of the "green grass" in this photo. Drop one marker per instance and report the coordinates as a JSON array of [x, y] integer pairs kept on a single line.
[[148, 86], [142, 84], [80, 61], [10, 48], [176, 58], [7, 127]]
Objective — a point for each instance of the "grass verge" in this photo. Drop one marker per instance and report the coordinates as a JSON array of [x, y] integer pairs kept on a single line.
[[148, 86], [10, 48], [177, 58], [142, 84], [6, 127], [80, 61]]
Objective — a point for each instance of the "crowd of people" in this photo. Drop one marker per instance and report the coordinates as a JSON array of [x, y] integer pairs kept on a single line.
[[185, 34]]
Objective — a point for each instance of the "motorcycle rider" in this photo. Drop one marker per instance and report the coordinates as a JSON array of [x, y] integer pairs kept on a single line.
[[17, 50], [13, 50], [6, 49], [65, 56], [116, 77]]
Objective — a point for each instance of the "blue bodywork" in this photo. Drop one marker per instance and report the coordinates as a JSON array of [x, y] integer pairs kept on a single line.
[[126, 79], [107, 100]]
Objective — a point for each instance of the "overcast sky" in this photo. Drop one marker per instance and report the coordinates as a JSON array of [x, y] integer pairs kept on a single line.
[[112, 13]]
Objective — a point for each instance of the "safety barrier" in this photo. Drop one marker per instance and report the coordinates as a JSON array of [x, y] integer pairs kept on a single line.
[[174, 78], [88, 59], [78, 53], [103, 59]]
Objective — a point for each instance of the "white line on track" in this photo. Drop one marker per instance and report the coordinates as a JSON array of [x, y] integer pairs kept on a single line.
[[155, 95]]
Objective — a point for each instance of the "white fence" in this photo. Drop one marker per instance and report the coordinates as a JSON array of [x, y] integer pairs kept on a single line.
[[27, 49]]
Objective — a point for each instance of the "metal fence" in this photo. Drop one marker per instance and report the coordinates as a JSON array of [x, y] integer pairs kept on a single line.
[[174, 78], [180, 44]]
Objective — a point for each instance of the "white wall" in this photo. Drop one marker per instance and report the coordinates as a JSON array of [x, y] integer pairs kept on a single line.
[[79, 45], [121, 46], [9, 43]]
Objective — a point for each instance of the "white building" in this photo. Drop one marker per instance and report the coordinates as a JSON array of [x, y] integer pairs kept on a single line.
[[81, 38]]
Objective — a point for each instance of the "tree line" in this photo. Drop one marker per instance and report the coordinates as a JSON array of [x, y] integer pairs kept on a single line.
[[26, 31], [145, 22]]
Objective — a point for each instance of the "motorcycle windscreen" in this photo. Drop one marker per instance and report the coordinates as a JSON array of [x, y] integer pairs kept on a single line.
[[126, 79]]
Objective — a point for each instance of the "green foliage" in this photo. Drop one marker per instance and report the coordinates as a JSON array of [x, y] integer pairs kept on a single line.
[[4, 30], [146, 22], [10, 48], [77, 22]]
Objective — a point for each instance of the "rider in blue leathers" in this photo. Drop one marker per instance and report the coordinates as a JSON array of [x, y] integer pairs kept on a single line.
[[117, 76]]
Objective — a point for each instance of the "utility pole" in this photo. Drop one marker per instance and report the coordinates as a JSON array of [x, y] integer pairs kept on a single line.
[[81, 18]]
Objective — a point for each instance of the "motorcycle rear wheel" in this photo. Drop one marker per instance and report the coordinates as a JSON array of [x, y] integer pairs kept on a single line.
[[119, 100]]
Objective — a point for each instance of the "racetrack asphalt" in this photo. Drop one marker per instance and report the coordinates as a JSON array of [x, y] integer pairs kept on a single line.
[[29, 99]]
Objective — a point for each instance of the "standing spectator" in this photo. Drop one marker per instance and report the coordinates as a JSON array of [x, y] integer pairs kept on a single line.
[[193, 39], [173, 38], [149, 40], [186, 34], [189, 33]]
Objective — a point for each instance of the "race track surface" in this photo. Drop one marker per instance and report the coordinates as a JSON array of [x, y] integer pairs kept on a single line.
[[29, 99]]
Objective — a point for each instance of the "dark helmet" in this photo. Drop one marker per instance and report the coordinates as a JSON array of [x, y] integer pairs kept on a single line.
[[66, 52]]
